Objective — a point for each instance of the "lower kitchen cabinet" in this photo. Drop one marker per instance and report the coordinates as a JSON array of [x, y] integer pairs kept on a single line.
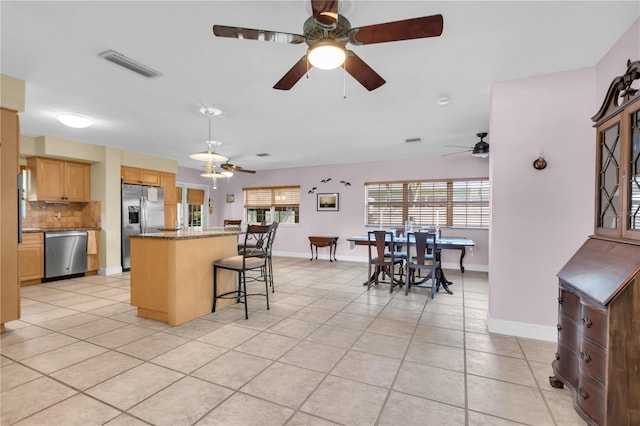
[[31, 258], [93, 255]]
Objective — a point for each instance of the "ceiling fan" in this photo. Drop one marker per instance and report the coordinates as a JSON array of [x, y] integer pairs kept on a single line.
[[327, 33], [233, 168], [480, 149]]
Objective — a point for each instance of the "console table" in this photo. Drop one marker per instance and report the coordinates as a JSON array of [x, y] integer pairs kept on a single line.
[[331, 242]]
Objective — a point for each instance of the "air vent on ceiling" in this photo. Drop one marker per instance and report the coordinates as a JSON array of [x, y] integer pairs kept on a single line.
[[413, 140], [128, 63], [263, 154]]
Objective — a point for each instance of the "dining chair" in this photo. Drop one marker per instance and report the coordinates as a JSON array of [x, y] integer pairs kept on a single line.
[[252, 258], [382, 261], [425, 259], [269, 251]]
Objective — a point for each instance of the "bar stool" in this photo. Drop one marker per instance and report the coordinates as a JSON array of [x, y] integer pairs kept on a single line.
[[253, 257]]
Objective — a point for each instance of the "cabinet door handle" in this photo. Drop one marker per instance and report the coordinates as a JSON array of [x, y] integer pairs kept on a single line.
[[587, 322], [583, 393], [585, 356], [559, 327], [557, 356]]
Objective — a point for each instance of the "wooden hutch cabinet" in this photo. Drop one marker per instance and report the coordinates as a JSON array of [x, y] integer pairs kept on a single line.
[[598, 354]]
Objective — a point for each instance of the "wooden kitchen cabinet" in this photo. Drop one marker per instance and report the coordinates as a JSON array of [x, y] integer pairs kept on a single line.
[[31, 258], [168, 183], [9, 277], [58, 180], [93, 254], [139, 176]]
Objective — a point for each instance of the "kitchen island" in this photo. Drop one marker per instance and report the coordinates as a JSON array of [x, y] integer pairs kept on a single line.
[[172, 272]]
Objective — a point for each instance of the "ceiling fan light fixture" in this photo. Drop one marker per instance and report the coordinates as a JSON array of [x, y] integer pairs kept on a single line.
[[226, 173], [213, 175], [480, 150], [327, 54], [76, 121]]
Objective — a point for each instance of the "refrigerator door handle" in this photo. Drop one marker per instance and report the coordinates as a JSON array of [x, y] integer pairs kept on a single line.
[[143, 217]]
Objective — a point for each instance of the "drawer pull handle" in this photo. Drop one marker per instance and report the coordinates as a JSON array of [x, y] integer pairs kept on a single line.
[[583, 393], [586, 321], [560, 300], [585, 356], [559, 327], [557, 356]]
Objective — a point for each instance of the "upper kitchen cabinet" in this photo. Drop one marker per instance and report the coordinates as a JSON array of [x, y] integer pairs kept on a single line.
[[138, 176], [58, 180], [168, 182], [618, 159]]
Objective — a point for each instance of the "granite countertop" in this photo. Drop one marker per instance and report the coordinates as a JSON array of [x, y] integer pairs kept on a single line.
[[88, 228], [185, 234]]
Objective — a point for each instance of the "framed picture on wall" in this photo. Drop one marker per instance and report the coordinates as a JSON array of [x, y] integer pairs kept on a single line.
[[230, 198], [328, 202]]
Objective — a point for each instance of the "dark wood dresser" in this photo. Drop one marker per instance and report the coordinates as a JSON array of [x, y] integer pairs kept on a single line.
[[598, 355]]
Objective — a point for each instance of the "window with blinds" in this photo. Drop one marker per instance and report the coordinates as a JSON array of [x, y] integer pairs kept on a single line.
[[452, 203], [272, 204]]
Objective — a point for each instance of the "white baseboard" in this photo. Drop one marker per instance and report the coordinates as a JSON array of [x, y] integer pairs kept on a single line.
[[110, 270], [521, 329]]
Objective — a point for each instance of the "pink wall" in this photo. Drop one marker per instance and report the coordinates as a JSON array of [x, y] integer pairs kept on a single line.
[[349, 220], [540, 218]]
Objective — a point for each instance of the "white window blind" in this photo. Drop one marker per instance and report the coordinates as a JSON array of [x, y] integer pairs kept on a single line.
[[282, 196], [453, 203]]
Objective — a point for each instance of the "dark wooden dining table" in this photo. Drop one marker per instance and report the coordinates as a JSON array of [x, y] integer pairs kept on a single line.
[[444, 243]]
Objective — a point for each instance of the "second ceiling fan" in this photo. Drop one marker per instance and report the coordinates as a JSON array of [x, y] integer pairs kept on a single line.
[[327, 33]]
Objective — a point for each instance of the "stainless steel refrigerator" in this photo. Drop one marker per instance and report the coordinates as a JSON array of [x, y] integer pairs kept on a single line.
[[142, 213]]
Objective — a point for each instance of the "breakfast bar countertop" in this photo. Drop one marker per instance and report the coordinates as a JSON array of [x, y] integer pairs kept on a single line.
[[189, 233]]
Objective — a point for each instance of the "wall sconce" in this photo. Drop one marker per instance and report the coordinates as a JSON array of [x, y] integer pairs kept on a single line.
[[540, 163]]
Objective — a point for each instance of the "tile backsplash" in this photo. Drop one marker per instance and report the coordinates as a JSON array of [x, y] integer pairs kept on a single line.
[[71, 215]]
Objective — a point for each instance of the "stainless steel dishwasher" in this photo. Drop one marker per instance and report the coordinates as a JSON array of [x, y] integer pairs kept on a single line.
[[65, 253]]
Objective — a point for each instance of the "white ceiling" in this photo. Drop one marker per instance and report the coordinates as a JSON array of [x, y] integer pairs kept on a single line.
[[53, 46]]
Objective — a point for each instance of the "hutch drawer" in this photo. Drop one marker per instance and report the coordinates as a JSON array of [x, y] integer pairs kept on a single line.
[[569, 303], [594, 325], [593, 361], [591, 398], [568, 333], [567, 364]]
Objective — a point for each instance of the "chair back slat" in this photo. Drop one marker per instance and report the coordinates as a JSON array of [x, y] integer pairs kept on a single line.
[[426, 245]]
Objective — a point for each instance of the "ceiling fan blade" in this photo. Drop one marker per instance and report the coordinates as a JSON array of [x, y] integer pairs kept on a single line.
[[325, 11], [233, 168], [408, 29], [362, 72], [456, 153], [240, 169], [261, 35], [293, 75]]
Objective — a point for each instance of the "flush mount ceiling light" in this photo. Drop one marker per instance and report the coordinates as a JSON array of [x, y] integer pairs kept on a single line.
[[76, 121], [443, 100], [326, 54]]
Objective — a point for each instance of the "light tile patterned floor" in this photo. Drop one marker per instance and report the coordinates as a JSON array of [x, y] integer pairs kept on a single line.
[[327, 352]]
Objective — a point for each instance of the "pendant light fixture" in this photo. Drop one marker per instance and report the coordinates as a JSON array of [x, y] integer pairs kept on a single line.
[[209, 155]]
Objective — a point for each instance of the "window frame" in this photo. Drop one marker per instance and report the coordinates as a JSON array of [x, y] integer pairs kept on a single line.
[[432, 202]]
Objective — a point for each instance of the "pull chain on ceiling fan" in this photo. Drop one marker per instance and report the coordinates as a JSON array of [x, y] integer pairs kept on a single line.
[[327, 33]]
